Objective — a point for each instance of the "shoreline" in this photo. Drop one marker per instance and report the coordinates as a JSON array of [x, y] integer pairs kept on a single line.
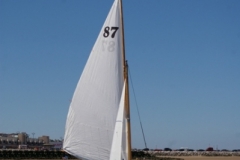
[[205, 157], [194, 153], [173, 157]]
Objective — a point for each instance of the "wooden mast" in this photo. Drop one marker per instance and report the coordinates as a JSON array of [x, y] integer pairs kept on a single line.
[[127, 112], [127, 105]]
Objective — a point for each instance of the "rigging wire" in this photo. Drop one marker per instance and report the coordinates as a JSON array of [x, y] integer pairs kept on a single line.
[[137, 107]]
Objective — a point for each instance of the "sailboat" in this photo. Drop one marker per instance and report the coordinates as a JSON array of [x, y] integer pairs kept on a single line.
[[98, 120]]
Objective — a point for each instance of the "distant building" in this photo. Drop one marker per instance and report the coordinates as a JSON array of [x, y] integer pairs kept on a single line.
[[23, 141], [209, 149]]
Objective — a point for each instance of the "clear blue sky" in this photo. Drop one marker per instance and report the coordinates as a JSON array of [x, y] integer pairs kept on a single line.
[[184, 59]]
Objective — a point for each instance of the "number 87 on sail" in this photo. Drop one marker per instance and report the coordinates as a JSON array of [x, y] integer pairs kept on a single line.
[[108, 43]]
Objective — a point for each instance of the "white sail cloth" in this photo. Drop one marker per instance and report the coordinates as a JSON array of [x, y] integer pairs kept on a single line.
[[118, 151], [93, 110]]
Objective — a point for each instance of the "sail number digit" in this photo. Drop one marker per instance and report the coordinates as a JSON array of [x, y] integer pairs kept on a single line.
[[109, 45], [107, 31]]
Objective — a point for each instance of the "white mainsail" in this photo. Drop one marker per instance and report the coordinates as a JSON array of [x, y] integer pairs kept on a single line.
[[92, 113]]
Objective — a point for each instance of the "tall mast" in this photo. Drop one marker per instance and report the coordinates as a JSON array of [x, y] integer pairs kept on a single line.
[[123, 40], [127, 112], [127, 104]]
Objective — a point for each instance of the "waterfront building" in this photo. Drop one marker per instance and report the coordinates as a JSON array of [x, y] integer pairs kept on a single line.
[[24, 141]]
